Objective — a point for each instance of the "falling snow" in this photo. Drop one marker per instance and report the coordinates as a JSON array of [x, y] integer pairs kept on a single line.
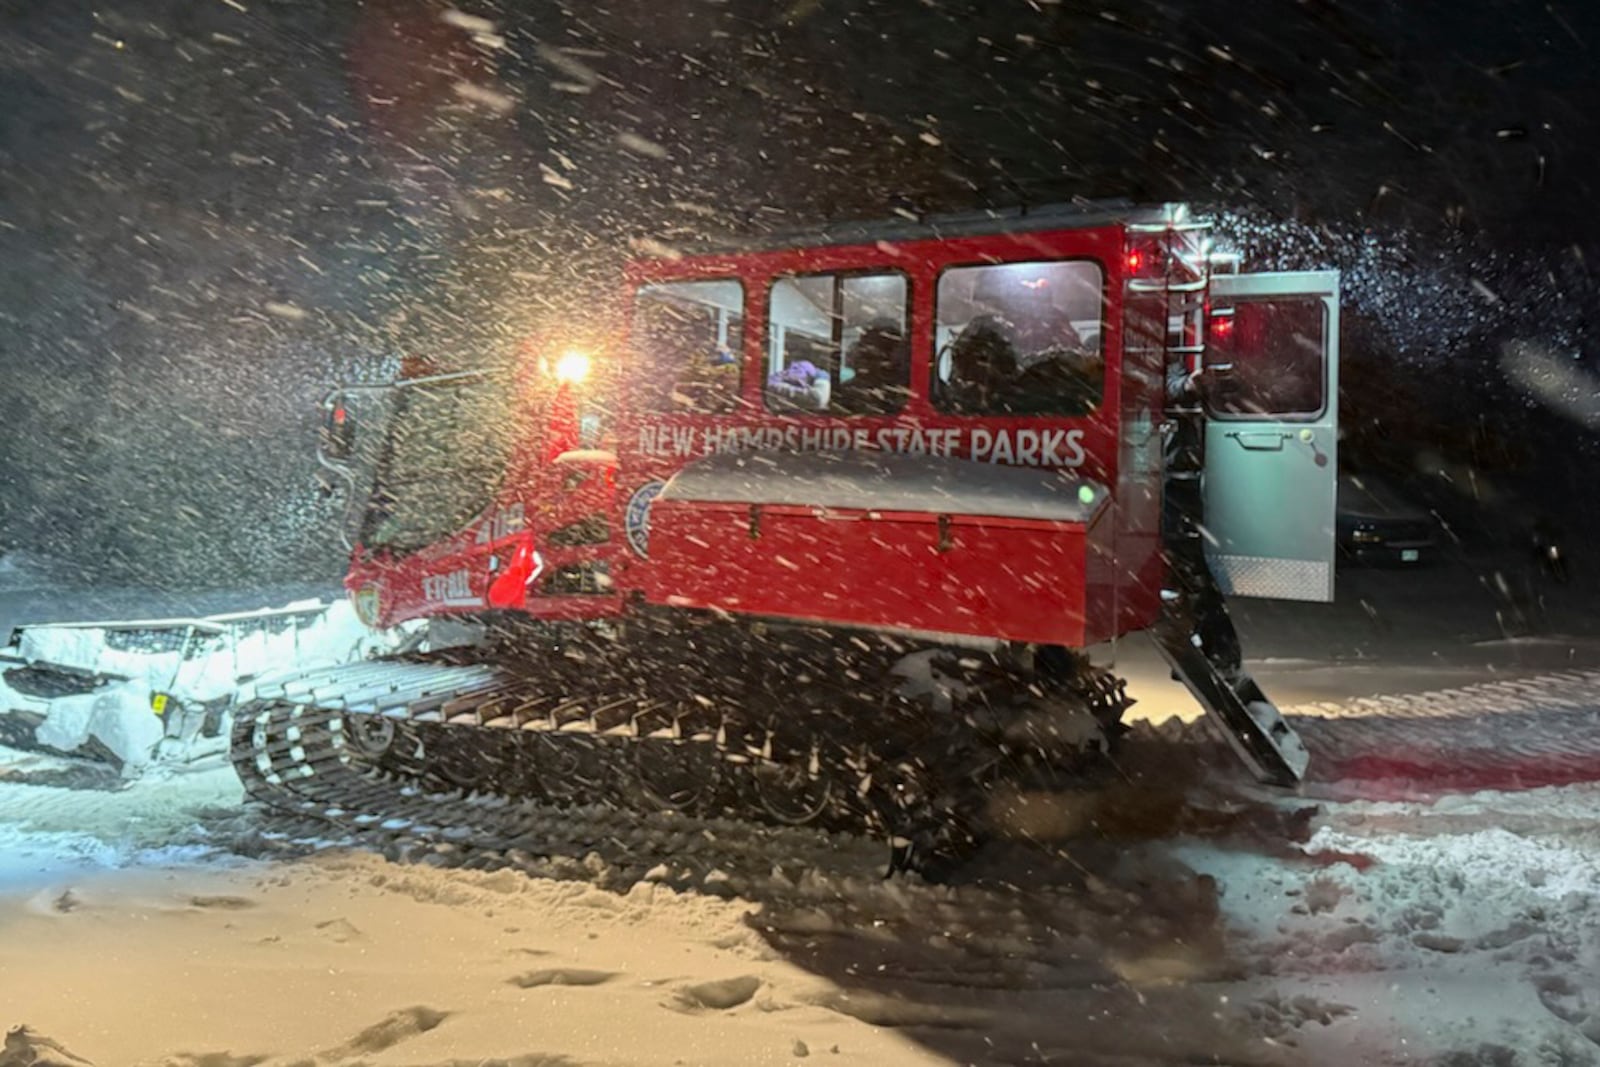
[[214, 213]]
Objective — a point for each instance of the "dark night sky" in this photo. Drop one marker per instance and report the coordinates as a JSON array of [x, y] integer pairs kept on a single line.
[[207, 208]]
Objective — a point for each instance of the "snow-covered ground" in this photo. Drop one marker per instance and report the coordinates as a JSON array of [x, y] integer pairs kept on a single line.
[[1461, 931], [1207, 922], [1394, 911]]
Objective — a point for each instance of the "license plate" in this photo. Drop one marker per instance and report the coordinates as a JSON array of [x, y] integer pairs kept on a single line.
[[1410, 555]]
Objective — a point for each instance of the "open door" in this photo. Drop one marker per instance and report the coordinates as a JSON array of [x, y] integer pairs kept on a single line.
[[1272, 423]]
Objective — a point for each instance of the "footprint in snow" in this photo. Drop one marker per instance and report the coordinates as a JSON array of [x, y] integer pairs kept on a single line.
[[340, 931], [561, 976], [25, 1048], [222, 903], [1569, 1003], [882, 1009], [719, 996], [388, 1032]]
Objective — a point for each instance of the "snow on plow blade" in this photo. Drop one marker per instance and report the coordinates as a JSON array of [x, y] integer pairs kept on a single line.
[[1252, 724], [138, 690]]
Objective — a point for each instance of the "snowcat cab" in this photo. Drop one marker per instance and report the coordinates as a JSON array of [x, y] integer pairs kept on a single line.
[[957, 431], [1025, 434]]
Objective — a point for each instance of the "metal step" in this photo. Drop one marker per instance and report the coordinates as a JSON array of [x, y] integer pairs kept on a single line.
[[1254, 727]]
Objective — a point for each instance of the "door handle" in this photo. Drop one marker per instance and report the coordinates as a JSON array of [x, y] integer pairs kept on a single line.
[[1260, 440]]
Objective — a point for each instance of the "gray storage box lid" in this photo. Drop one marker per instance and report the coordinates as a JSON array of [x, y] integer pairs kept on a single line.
[[888, 481]]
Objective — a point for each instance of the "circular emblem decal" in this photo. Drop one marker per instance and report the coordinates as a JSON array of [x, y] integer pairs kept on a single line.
[[636, 520], [368, 602]]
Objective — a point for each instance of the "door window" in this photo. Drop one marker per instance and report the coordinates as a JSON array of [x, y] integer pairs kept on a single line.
[[1269, 360], [687, 338]]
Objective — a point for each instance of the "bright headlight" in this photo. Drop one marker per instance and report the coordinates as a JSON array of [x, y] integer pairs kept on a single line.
[[572, 367]]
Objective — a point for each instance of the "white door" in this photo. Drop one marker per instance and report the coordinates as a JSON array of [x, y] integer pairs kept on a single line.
[[1272, 424]]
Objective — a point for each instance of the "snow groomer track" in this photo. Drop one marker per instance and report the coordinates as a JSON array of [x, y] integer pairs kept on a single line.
[[813, 773], [305, 760], [301, 753]]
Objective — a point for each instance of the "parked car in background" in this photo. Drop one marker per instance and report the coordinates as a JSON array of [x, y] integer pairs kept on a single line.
[[1376, 524]]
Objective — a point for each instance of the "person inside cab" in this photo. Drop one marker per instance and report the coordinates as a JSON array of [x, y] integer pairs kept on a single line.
[[880, 360], [1021, 353], [708, 382]]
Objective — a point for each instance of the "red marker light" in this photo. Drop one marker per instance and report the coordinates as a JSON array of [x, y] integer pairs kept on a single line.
[[338, 416], [1135, 261], [1222, 327]]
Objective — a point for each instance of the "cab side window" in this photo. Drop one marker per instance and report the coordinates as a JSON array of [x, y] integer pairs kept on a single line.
[[687, 340], [838, 344], [1020, 339], [1269, 359]]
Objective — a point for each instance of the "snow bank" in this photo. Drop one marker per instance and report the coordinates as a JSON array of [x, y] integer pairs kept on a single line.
[[118, 716], [207, 667], [1466, 930], [31, 859], [1492, 869]]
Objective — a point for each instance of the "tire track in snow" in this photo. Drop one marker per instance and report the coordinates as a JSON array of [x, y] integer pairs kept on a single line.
[[1520, 733]]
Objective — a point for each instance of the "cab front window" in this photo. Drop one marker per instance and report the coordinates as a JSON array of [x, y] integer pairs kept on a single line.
[[441, 461], [687, 339]]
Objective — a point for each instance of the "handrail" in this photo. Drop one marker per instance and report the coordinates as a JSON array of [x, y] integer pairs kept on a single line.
[[1162, 285]]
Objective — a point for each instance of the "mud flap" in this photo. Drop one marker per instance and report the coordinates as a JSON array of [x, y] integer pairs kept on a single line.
[[1254, 727]]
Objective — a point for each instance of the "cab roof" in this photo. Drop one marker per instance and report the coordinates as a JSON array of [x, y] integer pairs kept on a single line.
[[1020, 219]]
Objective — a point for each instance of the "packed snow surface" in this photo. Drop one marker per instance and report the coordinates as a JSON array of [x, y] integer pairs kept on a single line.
[[1188, 918], [1195, 926]]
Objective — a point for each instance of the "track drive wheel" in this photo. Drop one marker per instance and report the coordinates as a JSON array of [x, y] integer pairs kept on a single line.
[[792, 793], [676, 777]]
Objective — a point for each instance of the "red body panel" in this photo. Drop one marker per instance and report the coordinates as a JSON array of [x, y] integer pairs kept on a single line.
[[1014, 578]]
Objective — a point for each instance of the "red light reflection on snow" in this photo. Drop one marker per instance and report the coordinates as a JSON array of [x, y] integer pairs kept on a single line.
[[1400, 777]]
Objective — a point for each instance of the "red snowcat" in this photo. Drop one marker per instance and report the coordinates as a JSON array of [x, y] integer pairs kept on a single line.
[[820, 529]]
